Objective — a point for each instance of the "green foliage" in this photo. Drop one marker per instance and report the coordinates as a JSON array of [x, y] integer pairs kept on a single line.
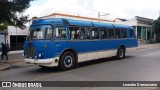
[[3, 26], [157, 29], [9, 13], [157, 25]]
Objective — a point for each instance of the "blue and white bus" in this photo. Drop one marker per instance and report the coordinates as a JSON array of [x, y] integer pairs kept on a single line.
[[65, 42]]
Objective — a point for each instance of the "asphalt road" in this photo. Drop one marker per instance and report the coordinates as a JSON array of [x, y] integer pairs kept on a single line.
[[142, 65]]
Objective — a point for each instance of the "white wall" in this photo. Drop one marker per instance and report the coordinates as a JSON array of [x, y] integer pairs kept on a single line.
[[12, 30], [130, 22], [2, 39]]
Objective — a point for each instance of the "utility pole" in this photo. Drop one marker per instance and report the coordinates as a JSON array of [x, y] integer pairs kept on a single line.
[[104, 14], [16, 36]]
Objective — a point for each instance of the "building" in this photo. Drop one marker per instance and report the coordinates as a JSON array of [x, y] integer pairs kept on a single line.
[[143, 27], [14, 37], [78, 17]]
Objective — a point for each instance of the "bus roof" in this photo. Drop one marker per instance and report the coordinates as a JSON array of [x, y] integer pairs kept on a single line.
[[99, 24], [80, 23], [64, 21], [120, 26], [47, 21]]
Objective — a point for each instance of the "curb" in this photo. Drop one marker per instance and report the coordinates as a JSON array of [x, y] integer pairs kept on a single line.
[[4, 66], [15, 52], [148, 46]]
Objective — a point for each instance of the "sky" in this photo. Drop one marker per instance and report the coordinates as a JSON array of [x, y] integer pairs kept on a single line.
[[126, 9]]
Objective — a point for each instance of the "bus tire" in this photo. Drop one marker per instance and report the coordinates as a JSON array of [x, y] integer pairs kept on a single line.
[[120, 53], [67, 61]]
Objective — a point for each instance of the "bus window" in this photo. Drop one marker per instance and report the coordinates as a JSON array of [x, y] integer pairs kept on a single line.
[[103, 33], [85, 33], [40, 32], [60, 33], [48, 33], [117, 33], [95, 33], [111, 33], [123, 33], [131, 33], [74, 32]]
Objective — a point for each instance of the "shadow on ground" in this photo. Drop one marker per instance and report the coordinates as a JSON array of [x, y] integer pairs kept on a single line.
[[80, 65]]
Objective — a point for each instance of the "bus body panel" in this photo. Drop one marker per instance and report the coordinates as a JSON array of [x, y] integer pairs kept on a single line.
[[100, 45], [46, 48], [60, 46]]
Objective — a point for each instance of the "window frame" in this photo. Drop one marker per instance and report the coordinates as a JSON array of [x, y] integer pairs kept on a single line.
[[125, 31], [118, 33], [32, 32], [55, 32], [70, 33], [106, 33], [133, 33], [113, 33], [93, 29], [89, 30]]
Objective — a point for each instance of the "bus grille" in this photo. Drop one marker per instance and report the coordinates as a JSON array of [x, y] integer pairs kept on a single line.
[[30, 52]]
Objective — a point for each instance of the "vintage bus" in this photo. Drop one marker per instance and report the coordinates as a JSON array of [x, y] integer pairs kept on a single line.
[[65, 42]]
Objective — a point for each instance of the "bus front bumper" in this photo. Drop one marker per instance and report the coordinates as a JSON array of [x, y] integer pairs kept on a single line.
[[43, 62]]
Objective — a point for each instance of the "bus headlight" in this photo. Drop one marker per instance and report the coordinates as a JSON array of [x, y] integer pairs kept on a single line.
[[40, 55]]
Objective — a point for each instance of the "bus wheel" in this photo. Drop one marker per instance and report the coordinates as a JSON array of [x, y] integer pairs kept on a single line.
[[67, 61], [120, 53]]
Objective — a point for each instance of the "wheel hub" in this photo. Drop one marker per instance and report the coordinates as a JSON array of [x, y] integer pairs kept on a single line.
[[68, 61]]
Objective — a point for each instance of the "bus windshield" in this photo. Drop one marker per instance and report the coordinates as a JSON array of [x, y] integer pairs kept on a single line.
[[40, 32]]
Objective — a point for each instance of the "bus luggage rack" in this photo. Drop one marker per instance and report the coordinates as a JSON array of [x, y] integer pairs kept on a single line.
[[30, 52]]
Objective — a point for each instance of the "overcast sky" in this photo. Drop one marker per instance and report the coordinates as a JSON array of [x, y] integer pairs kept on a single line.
[[115, 8]]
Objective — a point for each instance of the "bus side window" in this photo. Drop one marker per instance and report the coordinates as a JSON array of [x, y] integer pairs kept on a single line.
[[49, 33], [111, 33], [103, 33], [123, 33], [60, 33], [85, 33], [74, 32], [117, 33], [132, 33], [95, 33]]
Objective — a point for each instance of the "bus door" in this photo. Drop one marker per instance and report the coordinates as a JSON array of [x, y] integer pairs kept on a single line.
[[60, 36]]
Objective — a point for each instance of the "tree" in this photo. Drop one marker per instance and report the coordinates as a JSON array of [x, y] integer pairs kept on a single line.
[[157, 25], [10, 13], [157, 29]]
